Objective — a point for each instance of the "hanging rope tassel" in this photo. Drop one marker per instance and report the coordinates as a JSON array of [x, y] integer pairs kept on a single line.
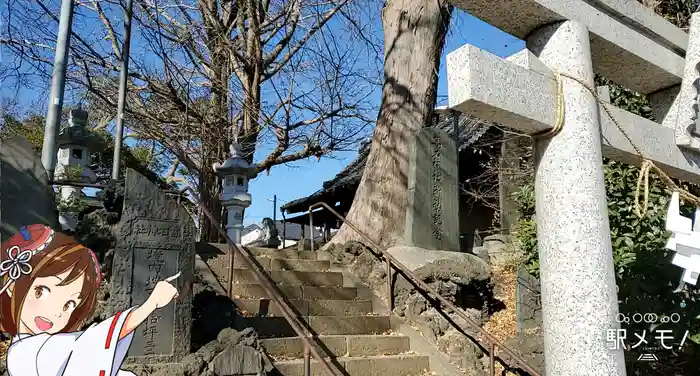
[[643, 178]]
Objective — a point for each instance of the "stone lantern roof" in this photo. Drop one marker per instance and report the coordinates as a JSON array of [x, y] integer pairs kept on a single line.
[[236, 164], [77, 134]]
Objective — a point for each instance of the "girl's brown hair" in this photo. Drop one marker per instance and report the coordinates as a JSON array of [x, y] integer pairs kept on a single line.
[[63, 254]]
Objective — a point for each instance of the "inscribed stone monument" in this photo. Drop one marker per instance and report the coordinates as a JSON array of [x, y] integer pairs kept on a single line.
[[432, 219], [25, 196], [528, 306], [156, 241]]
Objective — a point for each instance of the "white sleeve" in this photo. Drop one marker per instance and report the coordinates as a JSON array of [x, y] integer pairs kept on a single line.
[[96, 351]]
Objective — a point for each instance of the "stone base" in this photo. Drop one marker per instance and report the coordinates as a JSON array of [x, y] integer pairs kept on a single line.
[[416, 257], [232, 353]]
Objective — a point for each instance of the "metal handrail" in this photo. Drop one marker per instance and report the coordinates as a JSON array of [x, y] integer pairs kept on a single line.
[[271, 289], [417, 282]]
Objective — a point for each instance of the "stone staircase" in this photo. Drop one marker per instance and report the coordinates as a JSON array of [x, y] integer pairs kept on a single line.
[[341, 314]]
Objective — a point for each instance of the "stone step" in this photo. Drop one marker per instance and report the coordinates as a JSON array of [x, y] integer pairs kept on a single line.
[[288, 277], [286, 264], [241, 290], [339, 346], [265, 307], [332, 325], [392, 365], [272, 253]]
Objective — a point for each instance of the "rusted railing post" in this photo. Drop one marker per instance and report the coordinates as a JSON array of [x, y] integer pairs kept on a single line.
[[231, 259], [311, 230], [389, 292], [492, 360], [307, 361]]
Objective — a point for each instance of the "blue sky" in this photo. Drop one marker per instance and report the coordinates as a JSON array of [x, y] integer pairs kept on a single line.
[[302, 178], [308, 176]]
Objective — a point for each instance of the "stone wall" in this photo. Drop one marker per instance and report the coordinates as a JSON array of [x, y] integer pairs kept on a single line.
[[528, 302], [463, 280], [231, 353]]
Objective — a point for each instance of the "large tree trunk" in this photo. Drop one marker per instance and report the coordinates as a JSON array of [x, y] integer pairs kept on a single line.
[[209, 193], [414, 36]]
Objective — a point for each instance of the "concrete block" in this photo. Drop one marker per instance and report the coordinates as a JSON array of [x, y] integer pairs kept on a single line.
[[493, 89], [292, 277], [284, 253], [254, 290], [286, 264], [265, 307], [339, 346], [604, 93], [267, 252], [328, 292], [377, 345], [297, 292], [350, 324], [346, 325], [396, 365]]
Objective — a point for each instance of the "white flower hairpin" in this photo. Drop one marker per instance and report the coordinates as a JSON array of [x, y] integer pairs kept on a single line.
[[18, 262]]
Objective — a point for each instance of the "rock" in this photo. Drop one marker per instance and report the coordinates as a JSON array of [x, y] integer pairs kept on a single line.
[[462, 352], [269, 237], [23, 177], [96, 232], [530, 347], [466, 282], [495, 240], [169, 370], [234, 353], [210, 350], [305, 245], [192, 364], [212, 313], [481, 253], [237, 360], [415, 257]]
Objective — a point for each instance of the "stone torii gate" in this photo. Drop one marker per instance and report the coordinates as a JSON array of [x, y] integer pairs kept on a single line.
[[629, 44]]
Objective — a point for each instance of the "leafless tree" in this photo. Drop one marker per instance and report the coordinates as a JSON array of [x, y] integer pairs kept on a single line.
[[503, 154], [289, 79]]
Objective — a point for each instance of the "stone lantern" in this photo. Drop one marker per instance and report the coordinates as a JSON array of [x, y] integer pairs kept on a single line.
[[75, 145], [235, 173]]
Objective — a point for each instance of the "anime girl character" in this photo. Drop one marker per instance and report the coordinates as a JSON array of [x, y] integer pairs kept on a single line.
[[49, 287]]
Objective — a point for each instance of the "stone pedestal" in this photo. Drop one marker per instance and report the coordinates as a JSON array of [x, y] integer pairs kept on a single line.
[[234, 216], [69, 192], [579, 301]]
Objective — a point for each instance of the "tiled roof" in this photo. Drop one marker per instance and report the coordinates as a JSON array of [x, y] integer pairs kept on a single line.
[[470, 130]]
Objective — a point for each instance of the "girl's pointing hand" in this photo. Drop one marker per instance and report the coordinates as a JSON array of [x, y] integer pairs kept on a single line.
[[164, 292]]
